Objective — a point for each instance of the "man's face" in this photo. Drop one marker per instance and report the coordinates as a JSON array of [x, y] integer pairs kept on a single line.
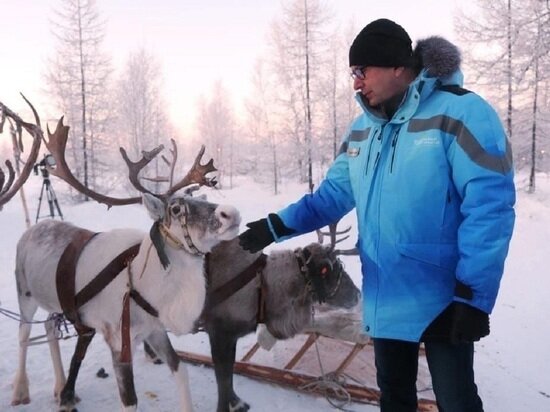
[[378, 85]]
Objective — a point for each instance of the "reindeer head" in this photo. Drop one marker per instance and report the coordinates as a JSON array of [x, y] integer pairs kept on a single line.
[[329, 282], [190, 224]]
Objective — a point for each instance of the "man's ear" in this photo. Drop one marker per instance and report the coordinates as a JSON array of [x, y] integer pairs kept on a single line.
[[398, 71]]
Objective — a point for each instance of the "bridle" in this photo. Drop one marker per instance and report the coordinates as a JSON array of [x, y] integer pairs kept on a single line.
[[187, 244], [314, 281]]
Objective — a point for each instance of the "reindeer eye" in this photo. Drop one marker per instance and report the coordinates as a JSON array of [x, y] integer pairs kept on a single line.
[[176, 209]]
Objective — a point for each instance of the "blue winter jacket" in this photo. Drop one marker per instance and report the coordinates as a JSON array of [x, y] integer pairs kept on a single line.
[[434, 194]]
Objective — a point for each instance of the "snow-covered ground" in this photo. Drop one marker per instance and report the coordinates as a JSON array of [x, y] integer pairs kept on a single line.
[[511, 364]]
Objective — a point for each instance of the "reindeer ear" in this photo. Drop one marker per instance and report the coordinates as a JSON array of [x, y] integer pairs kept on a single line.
[[154, 206]]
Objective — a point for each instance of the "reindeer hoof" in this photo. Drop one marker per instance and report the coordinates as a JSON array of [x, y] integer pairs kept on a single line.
[[67, 408], [24, 401], [238, 405]]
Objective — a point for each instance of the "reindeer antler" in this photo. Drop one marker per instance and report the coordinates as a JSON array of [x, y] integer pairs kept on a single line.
[[332, 233], [197, 174], [135, 167], [9, 189], [57, 143]]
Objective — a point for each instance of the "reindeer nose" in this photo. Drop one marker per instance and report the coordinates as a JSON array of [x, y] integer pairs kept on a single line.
[[228, 215]]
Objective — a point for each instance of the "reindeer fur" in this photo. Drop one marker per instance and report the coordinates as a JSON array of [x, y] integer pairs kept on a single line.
[[177, 292], [288, 306]]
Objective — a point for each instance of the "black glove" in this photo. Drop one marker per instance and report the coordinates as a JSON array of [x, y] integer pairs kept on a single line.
[[468, 323], [259, 236]]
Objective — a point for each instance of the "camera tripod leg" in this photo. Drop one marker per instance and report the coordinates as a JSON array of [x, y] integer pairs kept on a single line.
[[53, 204], [39, 203], [56, 203]]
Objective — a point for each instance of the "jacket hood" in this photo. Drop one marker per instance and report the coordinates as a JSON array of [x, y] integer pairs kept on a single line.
[[438, 56]]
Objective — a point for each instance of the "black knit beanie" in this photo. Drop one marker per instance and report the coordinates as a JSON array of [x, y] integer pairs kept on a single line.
[[381, 43]]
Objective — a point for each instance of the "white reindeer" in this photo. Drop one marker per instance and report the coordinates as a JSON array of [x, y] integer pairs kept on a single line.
[[188, 228]]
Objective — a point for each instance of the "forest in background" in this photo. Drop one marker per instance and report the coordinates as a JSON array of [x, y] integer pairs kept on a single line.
[[302, 98]]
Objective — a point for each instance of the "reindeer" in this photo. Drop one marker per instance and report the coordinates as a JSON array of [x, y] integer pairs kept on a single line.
[[154, 281], [288, 282], [276, 290]]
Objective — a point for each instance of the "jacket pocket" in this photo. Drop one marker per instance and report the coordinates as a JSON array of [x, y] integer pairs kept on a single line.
[[441, 255]]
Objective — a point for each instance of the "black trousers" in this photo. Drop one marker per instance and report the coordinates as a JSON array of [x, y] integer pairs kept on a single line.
[[451, 367]]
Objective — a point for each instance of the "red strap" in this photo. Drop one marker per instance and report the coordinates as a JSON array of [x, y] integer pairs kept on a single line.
[[126, 350]]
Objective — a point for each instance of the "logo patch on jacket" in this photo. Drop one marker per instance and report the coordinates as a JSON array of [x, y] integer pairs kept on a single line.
[[353, 151], [427, 141]]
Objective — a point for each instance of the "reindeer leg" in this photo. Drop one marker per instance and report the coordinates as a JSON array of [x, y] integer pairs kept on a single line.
[[223, 348], [55, 353], [27, 307], [124, 373], [160, 342], [150, 354], [67, 398]]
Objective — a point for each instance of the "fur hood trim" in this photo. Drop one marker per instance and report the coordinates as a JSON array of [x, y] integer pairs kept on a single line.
[[438, 56]]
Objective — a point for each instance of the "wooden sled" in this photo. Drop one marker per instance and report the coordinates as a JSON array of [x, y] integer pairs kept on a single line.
[[308, 360]]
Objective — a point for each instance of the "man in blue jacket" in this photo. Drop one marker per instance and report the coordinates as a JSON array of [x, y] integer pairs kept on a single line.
[[428, 168]]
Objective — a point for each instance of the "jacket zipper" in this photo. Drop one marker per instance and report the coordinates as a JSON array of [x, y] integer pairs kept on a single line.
[[394, 146]]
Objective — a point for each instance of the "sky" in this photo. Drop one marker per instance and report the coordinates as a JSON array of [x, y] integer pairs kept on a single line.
[[197, 42], [511, 364]]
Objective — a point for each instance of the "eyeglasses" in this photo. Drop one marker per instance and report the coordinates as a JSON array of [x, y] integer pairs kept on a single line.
[[358, 73]]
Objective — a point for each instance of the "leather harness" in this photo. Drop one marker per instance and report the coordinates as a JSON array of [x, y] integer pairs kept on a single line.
[[71, 301], [232, 286]]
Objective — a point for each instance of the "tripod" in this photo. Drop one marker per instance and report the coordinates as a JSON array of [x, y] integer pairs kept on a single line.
[[50, 195]]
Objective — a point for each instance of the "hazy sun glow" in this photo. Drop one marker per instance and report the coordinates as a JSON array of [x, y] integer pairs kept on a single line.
[[197, 42]]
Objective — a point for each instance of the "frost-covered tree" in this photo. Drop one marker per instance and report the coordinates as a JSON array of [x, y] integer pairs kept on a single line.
[[507, 47], [298, 42], [78, 80], [534, 63], [261, 116], [142, 120], [489, 34], [216, 125], [337, 106]]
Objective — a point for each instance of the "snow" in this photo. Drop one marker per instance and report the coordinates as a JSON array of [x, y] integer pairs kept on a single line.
[[510, 364]]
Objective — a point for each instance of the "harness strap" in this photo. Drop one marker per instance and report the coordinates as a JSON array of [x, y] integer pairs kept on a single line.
[[65, 277], [232, 286], [126, 348], [262, 318], [106, 276], [141, 302]]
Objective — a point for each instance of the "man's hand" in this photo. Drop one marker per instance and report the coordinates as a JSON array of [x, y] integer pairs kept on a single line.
[[468, 324], [258, 235]]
